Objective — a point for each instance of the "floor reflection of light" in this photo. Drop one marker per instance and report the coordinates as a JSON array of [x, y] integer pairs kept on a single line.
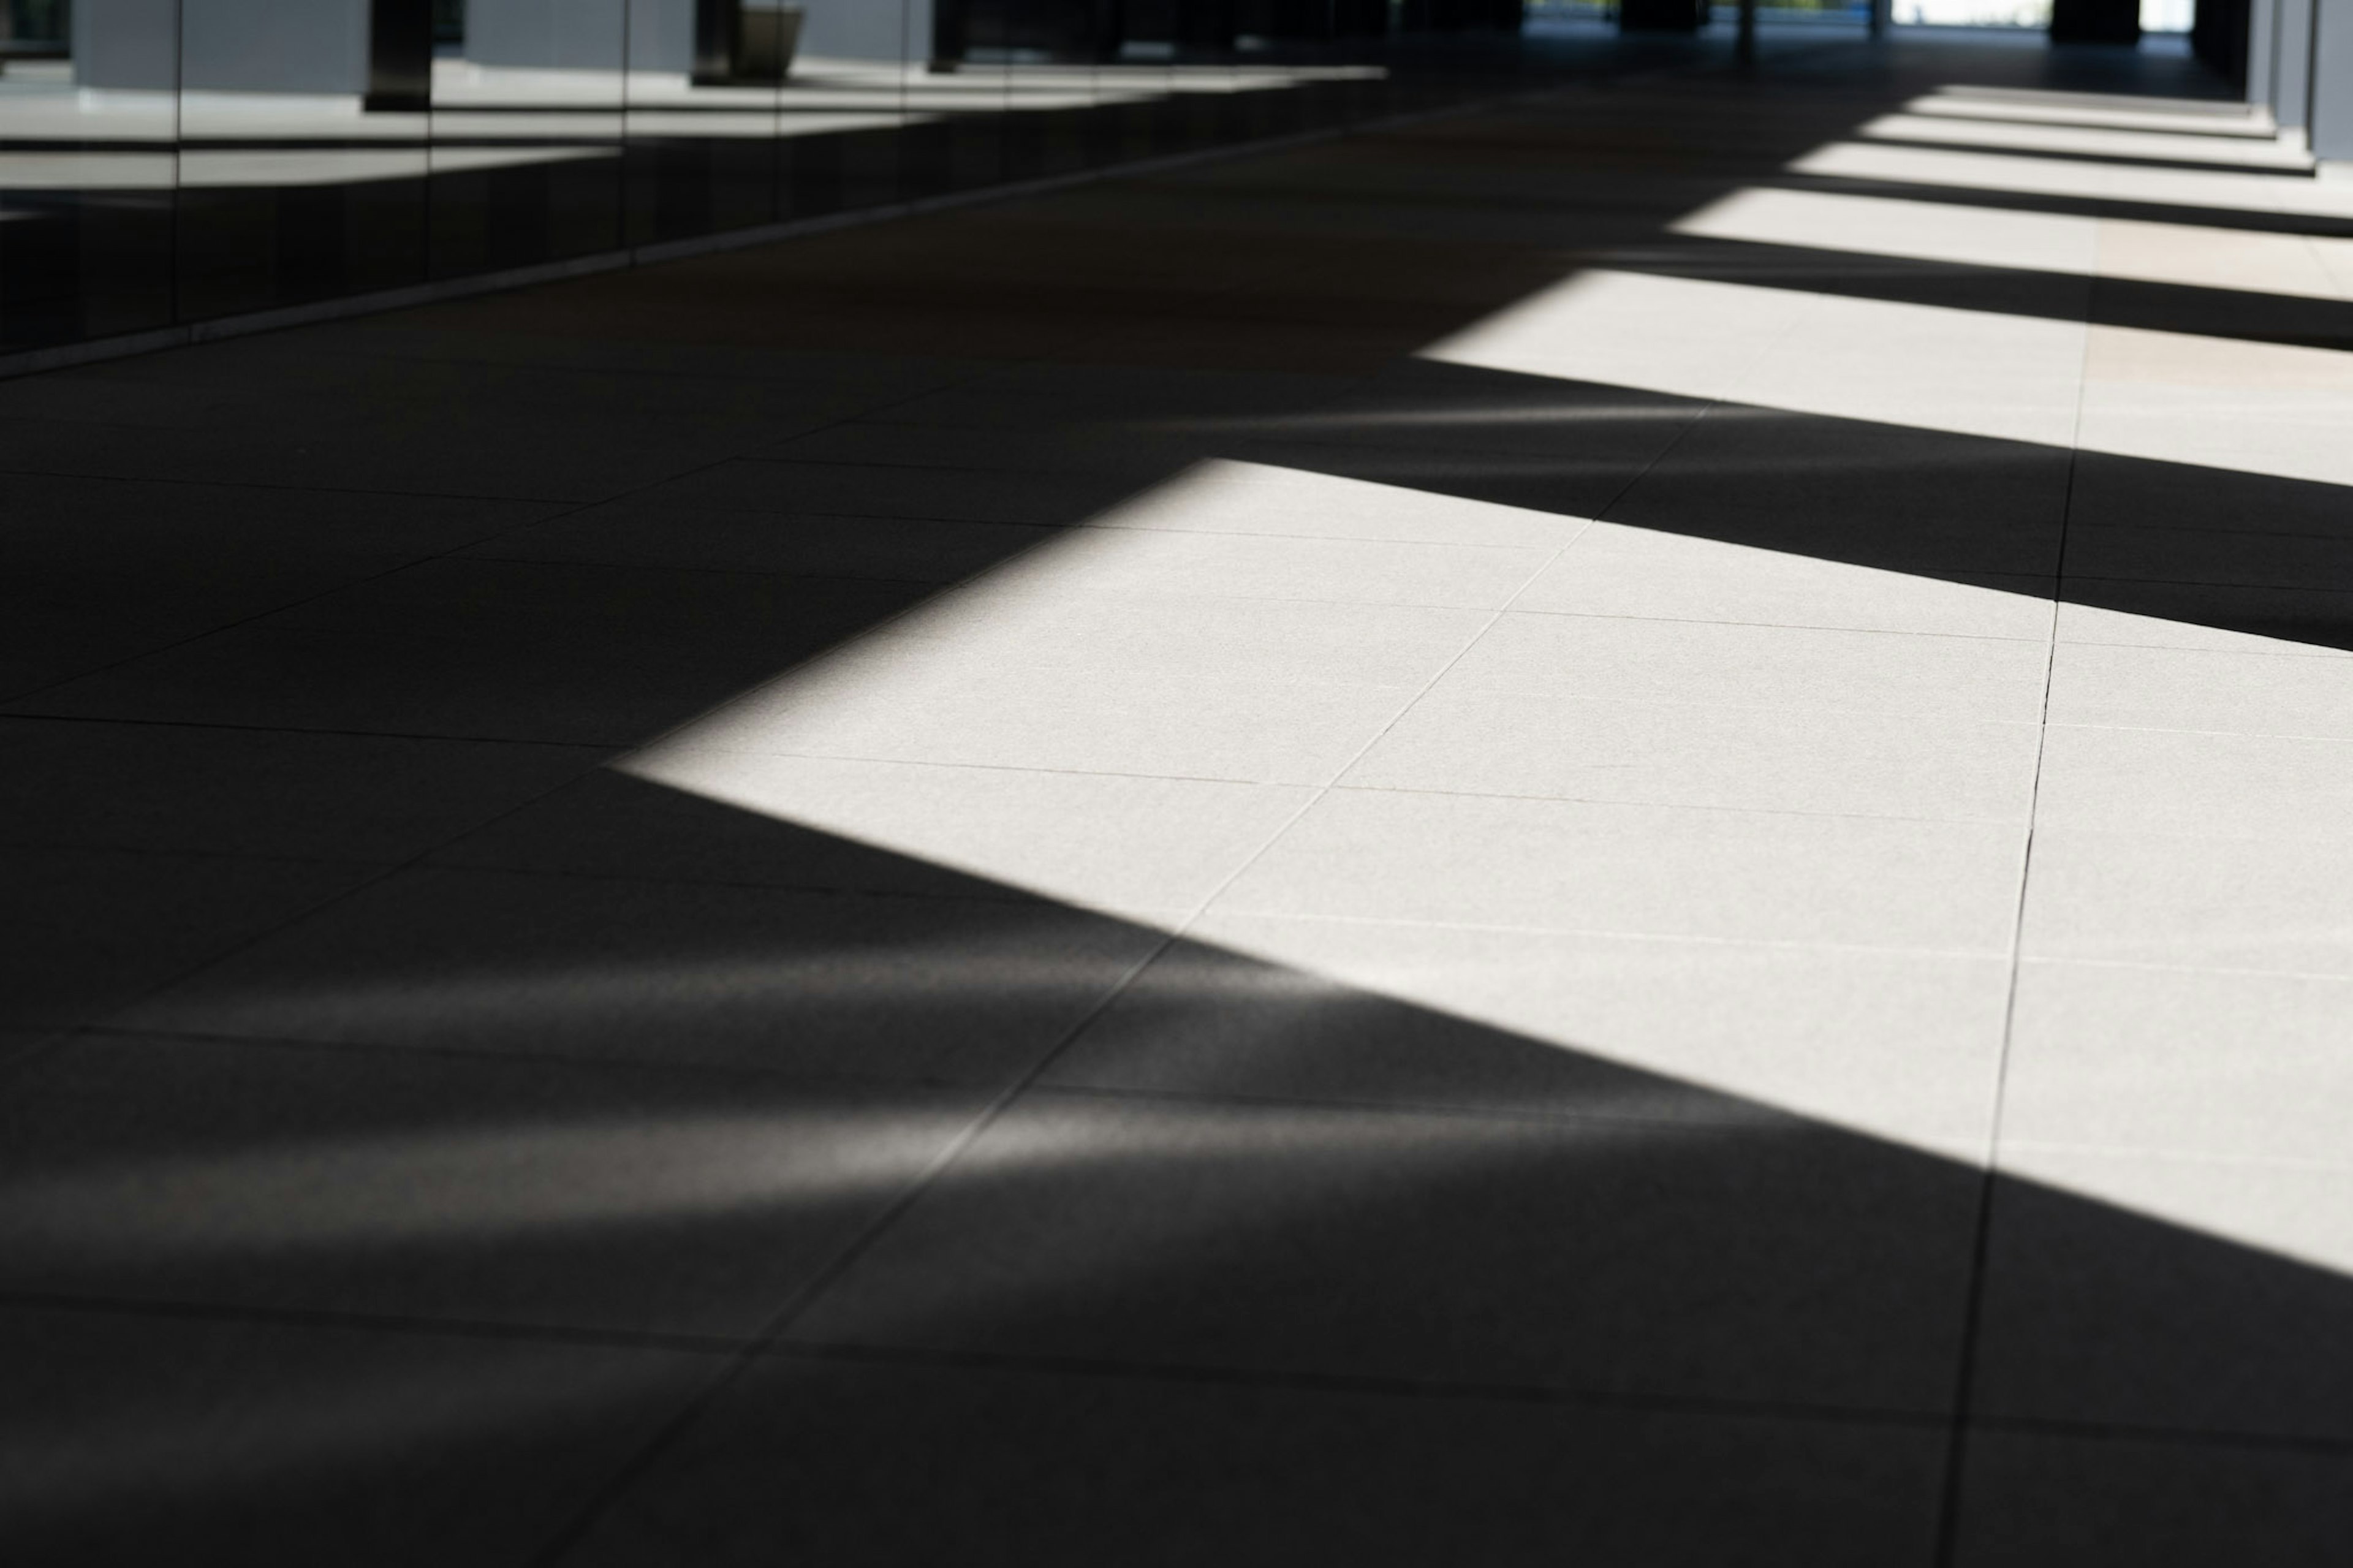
[[989, 656], [2252, 261], [2154, 146]]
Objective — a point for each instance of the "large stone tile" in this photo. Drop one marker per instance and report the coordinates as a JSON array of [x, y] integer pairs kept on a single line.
[[854, 489], [494, 650], [653, 972], [1642, 869], [1470, 740], [1355, 1012], [1616, 570], [1384, 504], [894, 701], [2175, 782], [1762, 1264], [2199, 616], [135, 1438], [260, 791], [435, 1185], [2051, 1499], [1864, 494], [2188, 1063], [2181, 1293], [1932, 679], [2198, 689], [633, 533], [95, 929], [1027, 618], [2203, 901], [1130, 846], [1155, 560], [908, 1464]]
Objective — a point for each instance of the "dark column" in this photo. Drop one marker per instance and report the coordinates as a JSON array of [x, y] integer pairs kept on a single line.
[[2096, 21], [2218, 34], [400, 55], [1662, 16]]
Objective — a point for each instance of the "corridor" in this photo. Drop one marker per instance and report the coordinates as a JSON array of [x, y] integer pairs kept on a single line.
[[1612, 829]]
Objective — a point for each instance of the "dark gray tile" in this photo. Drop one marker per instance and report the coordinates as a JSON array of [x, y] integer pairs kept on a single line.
[[1757, 1265], [878, 1464], [2094, 1315], [847, 489], [659, 533], [94, 930], [2318, 617], [434, 1186], [674, 972], [610, 824], [260, 791], [137, 1438], [1203, 1020], [2223, 557], [104, 570], [543, 651], [2047, 1500], [1869, 495]]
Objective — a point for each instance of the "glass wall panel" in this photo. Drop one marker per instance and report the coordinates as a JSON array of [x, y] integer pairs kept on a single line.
[[703, 80], [844, 106], [527, 131], [303, 149], [173, 161], [89, 157]]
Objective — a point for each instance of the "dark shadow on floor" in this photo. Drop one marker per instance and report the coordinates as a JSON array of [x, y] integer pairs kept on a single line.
[[1255, 1265]]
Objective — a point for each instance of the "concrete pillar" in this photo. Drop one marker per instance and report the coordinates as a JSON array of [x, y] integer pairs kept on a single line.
[[2331, 111], [2262, 17], [2292, 65]]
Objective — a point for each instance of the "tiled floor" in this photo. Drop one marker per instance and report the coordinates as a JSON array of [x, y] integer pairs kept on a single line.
[[1611, 833]]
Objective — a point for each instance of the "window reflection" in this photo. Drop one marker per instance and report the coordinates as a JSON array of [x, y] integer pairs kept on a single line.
[[165, 161]]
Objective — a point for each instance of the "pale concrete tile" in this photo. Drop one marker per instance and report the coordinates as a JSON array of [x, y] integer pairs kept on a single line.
[[941, 710], [1614, 570], [2257, 407], [2156, 145], [1108, 841], [1802, 667], [1677, 335], [2175, 782], [2240, 260], [2253, 620], [1151, 562], [1645, 869], [1931, 367], [1185, 637], [1880, 226], [2183, 1063], [1901, 1045], [1463, 738], [2303, 1212], [2198, 689], [2278, 903], [1227, 497]]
